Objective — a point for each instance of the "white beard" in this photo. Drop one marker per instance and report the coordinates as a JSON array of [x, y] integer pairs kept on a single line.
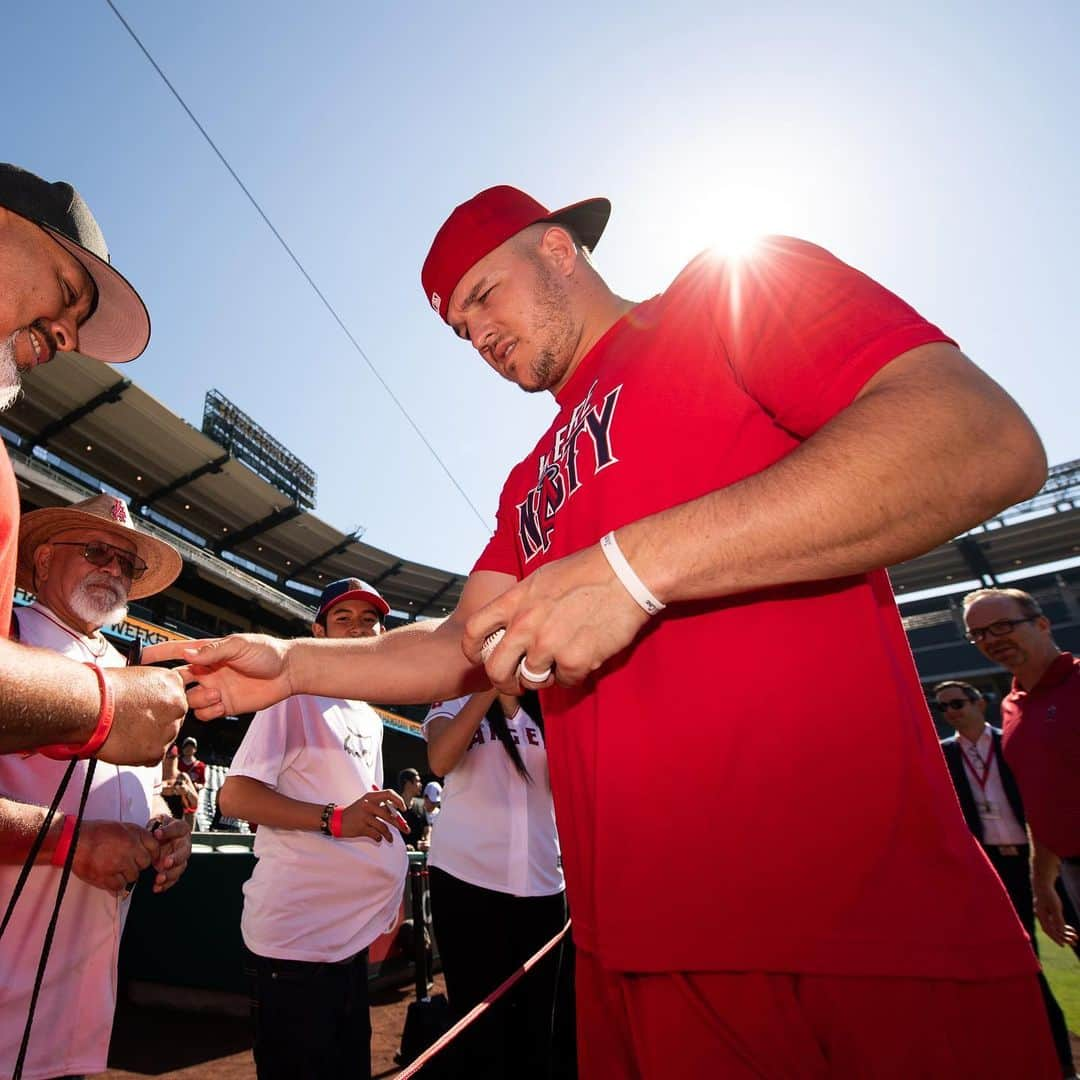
[[10, 376], [104, 605]]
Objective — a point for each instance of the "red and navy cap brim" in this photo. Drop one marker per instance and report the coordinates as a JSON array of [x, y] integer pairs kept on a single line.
[[369, 595]]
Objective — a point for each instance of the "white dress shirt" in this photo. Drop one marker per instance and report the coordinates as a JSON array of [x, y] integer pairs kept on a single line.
[[999, 823]]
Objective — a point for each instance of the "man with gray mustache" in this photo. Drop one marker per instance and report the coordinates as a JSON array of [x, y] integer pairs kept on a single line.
[[59, 294], [83, 563]]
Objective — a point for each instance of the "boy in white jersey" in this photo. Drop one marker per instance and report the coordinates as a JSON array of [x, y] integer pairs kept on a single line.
[[330, 874]]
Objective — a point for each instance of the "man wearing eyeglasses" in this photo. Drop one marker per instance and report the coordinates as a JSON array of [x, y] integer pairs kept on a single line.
[[991, 805], [83, 562], [1040, 737], [59, 294]]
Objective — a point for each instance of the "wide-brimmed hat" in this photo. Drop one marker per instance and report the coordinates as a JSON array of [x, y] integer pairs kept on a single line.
[[479, 226], [118, 328], [103, 513]]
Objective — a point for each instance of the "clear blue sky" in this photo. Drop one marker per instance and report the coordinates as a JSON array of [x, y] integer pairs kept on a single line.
[[935, 149]]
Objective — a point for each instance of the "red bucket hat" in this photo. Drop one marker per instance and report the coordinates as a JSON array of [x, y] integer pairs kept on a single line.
[[487, 220]]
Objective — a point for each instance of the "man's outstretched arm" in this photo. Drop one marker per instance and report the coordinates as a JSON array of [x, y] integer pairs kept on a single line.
[[47, 699], [420, 662], [930, 447]]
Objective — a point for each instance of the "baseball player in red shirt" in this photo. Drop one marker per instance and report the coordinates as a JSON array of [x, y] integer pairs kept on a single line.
[[731, 464]]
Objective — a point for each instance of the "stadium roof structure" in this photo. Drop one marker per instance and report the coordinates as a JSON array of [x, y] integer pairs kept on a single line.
[[98, 422], [1042, 530]]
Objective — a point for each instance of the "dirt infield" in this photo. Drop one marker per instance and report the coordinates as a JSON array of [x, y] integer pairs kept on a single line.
[[172, 1045]]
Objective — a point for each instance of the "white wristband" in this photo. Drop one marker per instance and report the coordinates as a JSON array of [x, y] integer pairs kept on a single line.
[[625, 573]]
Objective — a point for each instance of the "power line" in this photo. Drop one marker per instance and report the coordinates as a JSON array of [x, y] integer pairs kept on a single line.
[[300, 266]]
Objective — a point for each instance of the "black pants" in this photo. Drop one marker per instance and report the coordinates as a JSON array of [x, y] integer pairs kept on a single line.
[[1016, 877], [311, 1020], [483, 938]]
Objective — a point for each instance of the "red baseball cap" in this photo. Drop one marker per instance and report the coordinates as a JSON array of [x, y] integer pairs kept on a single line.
[[489, 219]]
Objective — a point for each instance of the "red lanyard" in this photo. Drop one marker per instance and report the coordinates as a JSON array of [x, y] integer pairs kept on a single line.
[[980, 780]]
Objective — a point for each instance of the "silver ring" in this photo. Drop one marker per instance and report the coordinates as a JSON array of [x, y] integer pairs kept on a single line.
[[526, 673]]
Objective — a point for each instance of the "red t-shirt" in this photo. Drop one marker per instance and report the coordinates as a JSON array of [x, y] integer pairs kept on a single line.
[[196, 769], [9, 540], [793, 717], [1041, 742]]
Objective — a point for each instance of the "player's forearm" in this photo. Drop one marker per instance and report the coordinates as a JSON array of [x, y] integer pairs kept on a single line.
[[44, 699], [448, 737], [19, 825], [913, 462], [417, 663], [252, 801]]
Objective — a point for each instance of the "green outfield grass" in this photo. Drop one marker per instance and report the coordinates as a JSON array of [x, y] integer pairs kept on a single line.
[[1063, 973]]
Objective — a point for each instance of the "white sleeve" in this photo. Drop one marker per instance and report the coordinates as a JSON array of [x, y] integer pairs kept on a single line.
[[270, 745], [449, 709]]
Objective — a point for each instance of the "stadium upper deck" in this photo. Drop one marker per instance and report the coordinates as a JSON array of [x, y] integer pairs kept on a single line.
[[249, 551]]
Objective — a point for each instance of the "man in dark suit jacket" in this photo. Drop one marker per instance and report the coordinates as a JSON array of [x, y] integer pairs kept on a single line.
[[990, 801], [410, 786]]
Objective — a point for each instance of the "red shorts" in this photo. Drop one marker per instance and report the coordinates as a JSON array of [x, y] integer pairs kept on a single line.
[[719, 1025]]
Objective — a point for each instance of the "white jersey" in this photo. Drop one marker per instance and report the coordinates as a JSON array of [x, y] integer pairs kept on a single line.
[[314, 897], [75, 1010], [495, 829]]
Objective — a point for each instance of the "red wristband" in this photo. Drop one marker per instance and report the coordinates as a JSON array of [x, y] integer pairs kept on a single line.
[[335, 821], [66, 751], [63, 841]]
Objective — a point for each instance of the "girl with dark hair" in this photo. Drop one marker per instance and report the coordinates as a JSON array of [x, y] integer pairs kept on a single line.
[[496, 879]]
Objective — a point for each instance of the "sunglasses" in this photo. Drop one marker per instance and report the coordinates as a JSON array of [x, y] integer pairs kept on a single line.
[[99, 554], [956, 704]]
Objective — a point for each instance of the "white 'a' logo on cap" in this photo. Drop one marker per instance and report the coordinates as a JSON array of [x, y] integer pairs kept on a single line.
[[436, 301]]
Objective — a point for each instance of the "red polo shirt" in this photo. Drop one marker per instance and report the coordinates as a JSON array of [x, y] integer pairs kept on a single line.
[[1041, 743]]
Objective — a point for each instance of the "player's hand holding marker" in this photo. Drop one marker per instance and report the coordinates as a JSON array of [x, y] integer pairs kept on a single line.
[[558, 624]]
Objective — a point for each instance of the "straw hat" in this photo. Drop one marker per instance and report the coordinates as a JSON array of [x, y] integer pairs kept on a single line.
[[103, 513]]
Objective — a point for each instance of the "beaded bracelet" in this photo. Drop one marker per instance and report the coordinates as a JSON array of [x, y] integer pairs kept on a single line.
[[327, 814]]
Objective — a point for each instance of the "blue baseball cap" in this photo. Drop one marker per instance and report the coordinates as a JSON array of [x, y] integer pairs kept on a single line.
[[350, 588]]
